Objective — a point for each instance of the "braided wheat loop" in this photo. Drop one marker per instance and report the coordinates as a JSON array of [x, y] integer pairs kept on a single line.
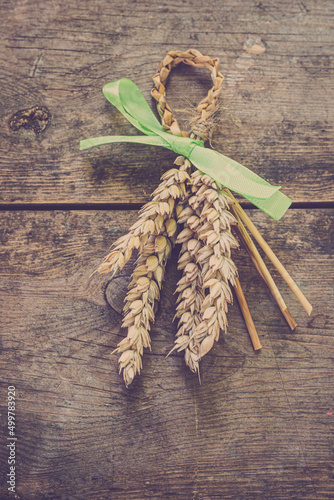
[[201, 124]]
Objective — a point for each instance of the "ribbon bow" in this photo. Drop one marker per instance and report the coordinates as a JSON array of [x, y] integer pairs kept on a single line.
[[128, 99]]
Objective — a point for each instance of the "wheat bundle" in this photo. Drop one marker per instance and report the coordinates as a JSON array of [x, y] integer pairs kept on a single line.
[[195, 210]]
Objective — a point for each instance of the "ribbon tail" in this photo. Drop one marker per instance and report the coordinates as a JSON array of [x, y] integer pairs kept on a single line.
[[275, 206], [240, 179], [110, 139]]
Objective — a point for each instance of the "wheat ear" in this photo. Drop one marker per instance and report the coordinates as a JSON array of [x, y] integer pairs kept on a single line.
[[190, 291], [205, 257], [157, 230], [152, 218]]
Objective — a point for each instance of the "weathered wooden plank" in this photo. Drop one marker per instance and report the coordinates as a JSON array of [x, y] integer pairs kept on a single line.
[[260, 425], [277, 107]]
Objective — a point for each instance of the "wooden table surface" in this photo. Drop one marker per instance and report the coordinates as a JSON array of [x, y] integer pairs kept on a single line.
[[260, 426]]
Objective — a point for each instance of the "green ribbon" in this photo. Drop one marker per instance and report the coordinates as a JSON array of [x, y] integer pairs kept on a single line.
[[128, 99]]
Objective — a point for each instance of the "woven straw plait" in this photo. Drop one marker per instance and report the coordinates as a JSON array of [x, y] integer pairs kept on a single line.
[[205, 108]]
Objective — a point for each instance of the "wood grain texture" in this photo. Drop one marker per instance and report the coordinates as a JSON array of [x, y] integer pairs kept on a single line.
[[259, 426], [277, 114]]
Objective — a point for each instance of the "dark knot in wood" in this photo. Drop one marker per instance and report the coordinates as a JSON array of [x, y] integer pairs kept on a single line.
[[36, 118], [115, 292]]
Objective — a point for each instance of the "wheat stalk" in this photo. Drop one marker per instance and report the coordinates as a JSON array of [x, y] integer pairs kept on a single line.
[[190, 295], [205, 258], [155, 231], [141, 300], [218, 269]]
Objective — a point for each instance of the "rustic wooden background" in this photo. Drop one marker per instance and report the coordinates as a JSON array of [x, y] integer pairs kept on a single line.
[[261, 424]]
